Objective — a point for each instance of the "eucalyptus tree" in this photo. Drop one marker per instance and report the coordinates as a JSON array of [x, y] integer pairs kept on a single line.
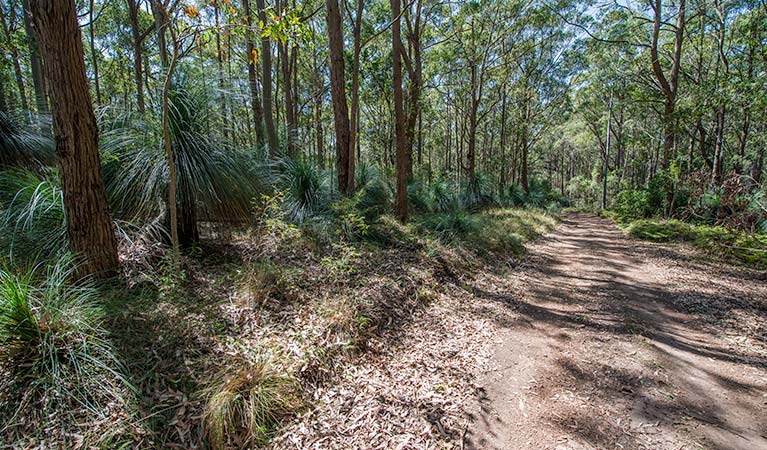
[[401, 207], [89, 226], [338, 92]]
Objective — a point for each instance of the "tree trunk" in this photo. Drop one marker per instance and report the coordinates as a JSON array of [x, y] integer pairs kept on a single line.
[[668, 85], [15, 57], [355, 107], [502, 181], [318, 93], [288, 54], [717, 170], [668, 132], [89, 227], [523, 157], [3, 97], [420, 137], [255, 98], [401, 209], [415, 72], [221, 84], [160, 26], [137, 69], [338, 92], [94, 58], [266, 85], [38, 77], [173, 202], [471, 150]]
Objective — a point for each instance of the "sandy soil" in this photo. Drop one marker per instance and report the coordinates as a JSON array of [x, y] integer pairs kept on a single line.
[[605, 342]]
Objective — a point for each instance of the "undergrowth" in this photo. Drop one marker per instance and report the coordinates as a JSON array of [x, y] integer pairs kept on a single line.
[[735, 245], [247, 402], [65, 383], [312, 283]]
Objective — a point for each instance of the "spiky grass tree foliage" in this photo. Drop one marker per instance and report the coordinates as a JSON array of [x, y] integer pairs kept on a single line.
[[302, 184], [216, 182], [417, 196], [247, 403], [32, 219], [478, 193], [516, 195], [450, 225], [22, 145], [373, 197], [537, 194], [63, 372], [443, 198]]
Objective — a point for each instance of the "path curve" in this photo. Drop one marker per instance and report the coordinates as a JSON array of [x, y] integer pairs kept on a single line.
[[613, 343]]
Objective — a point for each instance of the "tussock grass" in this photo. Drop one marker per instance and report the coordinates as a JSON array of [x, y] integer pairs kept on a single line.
[[493, 230], [65, 375], [263, 281], [248, 403]]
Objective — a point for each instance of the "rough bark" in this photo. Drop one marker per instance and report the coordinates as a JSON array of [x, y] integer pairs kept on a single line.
[[94, 57], [338, 93], [89, 227], [401, 209]]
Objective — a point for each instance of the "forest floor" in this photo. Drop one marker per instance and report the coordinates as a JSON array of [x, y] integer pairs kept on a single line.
[[585, 338], [603, 341]]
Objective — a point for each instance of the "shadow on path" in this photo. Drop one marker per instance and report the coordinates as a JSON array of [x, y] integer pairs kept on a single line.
[[601, 351]]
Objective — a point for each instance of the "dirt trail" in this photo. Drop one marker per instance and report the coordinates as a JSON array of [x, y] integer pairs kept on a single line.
[[607, 342]]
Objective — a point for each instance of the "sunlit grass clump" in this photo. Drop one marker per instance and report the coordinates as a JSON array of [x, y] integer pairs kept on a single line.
[[247, 403], [494, 230]]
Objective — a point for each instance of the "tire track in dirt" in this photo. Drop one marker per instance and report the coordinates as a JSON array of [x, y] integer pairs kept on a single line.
[[614, 343]]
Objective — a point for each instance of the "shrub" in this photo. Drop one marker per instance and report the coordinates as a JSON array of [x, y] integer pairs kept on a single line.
[[417, 196], [517, 195], [733, 244], [22, 148], [660, 231], [248, 404], [373, 197], [215, 181], [583, 192], [449, 225], [633, 205], [656, 192], [265, 280], [505, 230]]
